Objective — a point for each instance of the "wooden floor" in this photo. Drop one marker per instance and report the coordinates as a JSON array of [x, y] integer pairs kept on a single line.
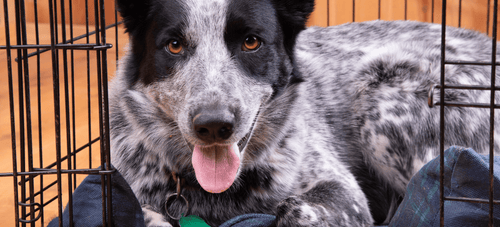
[[81, 114]]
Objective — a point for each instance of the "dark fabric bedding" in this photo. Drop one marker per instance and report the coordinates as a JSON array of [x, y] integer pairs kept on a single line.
[[466, 174], [87, 204]]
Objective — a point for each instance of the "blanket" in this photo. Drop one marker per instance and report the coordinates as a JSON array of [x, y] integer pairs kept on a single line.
[[466, 174]]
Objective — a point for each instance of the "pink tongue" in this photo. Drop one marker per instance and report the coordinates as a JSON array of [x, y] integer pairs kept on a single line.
[[215, 166]]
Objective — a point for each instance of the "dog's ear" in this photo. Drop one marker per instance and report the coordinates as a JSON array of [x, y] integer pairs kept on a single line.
[[134, 13], [292, 16]]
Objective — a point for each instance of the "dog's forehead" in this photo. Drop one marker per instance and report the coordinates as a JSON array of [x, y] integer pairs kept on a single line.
[[210, 18], [206, 7], [207, 17]]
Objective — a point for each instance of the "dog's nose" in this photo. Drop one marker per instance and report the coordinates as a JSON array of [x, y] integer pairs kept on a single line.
[[213, 126]]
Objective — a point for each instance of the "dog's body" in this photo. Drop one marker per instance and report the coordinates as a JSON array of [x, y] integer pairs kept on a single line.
[[326, 132]]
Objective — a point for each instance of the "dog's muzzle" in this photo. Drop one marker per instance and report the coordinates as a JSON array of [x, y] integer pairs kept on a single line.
[[217, 162], [217, 126]]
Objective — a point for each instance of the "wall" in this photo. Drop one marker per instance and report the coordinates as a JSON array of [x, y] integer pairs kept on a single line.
[[327, 12], [79, 15], [334, 12]]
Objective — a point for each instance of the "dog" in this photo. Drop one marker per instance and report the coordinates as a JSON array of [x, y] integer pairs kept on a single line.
[[228, 107]]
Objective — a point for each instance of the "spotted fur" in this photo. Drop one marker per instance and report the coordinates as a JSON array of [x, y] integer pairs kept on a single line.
[[337, 117]]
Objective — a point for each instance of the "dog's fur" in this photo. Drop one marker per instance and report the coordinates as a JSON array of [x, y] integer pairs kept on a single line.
[[338, 117]]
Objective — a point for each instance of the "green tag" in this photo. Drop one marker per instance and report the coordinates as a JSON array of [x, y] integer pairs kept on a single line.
[[192, 221]]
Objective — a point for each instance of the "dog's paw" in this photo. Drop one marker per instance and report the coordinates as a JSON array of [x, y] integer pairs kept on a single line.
[[295, 212], [153, 218]]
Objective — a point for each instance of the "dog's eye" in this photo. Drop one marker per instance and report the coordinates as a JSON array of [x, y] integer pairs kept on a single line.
[[251, 43], [174, 46]]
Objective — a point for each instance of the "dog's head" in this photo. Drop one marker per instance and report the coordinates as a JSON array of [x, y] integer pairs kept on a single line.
[[211, 67]]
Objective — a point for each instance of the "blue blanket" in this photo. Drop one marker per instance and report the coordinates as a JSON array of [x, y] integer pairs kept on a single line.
[[87, 204], [466, 175]]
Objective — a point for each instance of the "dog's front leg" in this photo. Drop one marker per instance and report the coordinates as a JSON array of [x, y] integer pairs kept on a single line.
[[153, 218], [328, 203]]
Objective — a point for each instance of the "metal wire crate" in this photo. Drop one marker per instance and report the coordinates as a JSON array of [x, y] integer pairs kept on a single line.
[[41, 181], [33, 178], [492, 106]]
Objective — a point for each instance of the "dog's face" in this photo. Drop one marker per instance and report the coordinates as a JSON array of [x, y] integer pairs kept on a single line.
[[211, 66]]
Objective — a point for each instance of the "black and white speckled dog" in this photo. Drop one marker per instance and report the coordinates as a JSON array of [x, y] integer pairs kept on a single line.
[[248, 114]]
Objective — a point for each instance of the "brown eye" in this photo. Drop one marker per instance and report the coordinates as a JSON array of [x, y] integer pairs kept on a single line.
[[174, 47], [251, 43]]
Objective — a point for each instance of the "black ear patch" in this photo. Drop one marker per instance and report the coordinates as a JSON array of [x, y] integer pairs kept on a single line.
[[134, 13], [292, 16]]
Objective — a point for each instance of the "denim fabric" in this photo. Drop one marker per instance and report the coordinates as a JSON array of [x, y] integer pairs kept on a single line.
[[87, 204], [250, 220], [466, 174]]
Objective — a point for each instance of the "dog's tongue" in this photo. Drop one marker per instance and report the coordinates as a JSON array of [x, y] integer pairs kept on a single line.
[[216, 166]]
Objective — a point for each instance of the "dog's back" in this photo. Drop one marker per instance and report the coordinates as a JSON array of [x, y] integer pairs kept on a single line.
[[372, 81]]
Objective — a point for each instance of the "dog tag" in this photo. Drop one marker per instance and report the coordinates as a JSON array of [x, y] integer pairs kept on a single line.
[[192, 221]]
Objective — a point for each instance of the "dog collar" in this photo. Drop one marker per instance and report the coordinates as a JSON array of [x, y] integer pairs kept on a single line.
[[189, 221], [177, 196]]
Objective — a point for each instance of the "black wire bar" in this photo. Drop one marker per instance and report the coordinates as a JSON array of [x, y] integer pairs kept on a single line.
[[63, 158], [61, 46], [38, 171], [441, 116], [492, 108], [87, 35], [42, 205], [12, 111], [39, 105]]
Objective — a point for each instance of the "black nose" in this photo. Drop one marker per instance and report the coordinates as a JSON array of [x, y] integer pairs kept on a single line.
[[213, 126]]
